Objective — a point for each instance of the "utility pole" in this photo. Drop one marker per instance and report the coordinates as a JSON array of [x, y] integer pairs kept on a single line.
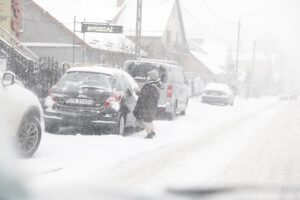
[[238, 42], [74, 29], [238, 50], [83, 48], [252, 69], [138, 28]]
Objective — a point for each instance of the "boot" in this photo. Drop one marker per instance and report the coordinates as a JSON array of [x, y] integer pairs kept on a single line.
[[150, 135]]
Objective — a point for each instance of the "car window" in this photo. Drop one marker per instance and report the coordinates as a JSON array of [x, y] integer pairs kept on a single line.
[[119, 84], [178, 76], [139, 70], [126, 84], [79, 79]]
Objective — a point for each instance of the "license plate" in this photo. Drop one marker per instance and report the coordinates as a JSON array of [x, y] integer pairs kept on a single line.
[[79, 101]]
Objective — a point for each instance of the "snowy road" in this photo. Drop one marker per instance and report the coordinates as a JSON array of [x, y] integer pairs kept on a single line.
[[254, 142]]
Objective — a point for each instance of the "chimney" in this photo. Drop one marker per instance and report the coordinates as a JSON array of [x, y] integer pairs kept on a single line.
[[120, 3]]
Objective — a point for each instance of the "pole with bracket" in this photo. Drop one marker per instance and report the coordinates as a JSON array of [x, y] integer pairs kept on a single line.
[[238, 50], [138, 28], [252, 68], [74, 29], [83, 46]]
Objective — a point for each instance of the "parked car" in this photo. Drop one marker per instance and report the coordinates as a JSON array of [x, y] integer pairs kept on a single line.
[[217, 93], [175, 93], [21, 115], [92, 96]]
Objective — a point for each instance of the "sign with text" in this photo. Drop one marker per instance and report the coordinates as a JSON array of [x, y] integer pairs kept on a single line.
[[101, 28]]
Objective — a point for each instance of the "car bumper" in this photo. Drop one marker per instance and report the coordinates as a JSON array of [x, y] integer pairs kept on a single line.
[[215, 99], [78, 119]]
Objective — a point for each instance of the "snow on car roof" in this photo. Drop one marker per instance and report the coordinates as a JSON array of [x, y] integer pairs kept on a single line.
[[96, 69], [218, 86]]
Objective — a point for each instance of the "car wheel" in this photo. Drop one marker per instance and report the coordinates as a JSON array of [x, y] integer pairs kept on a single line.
[[202, 101], [171, 116], [184, 111], [120, 128], [52, 128], [29, 136]]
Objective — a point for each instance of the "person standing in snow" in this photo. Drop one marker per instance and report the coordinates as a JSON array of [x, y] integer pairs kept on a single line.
[[145, 109]]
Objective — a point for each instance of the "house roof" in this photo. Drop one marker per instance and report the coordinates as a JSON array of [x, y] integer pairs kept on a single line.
[[156, 14], [208, 62], [91, 11], [216, 50]]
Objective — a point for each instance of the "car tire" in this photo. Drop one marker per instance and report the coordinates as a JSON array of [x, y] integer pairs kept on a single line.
[[171, 116], [29, 136], [202, 101], [52, 128], [120, 127], [184, 111]]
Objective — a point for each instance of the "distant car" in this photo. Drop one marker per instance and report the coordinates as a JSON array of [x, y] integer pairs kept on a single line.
[[21, 115], [92, 96], [288, 97], [174, 96], [218, 93]]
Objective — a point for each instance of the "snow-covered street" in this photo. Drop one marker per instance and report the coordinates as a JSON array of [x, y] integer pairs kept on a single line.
[[253, 142]]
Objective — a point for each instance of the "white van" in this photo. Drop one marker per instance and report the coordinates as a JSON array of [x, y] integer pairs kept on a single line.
[[175, 93]]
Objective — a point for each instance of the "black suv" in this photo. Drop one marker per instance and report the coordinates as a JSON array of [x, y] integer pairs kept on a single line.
[[92, 96]]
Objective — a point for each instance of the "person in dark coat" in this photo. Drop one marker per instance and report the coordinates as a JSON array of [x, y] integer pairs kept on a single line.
[[146, 107]]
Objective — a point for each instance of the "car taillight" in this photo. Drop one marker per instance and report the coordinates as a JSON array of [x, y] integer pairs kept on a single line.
[[169, 91], [112, 99]]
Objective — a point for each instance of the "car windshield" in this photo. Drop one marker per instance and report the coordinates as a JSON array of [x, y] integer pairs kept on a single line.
[[150, 96], [139, 71], [86, 79]]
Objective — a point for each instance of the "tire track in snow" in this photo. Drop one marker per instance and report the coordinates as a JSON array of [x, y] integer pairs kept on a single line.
[[143, 167]]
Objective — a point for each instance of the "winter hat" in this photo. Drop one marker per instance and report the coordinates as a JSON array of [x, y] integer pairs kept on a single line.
[[153, 75]]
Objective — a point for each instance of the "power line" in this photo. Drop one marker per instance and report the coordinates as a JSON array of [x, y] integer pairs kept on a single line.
[[216, 14], [200, 23]]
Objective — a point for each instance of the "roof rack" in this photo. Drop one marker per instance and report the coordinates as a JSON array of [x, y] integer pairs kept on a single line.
[[172, 62]]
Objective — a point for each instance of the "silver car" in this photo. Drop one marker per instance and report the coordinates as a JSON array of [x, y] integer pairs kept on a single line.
[[174, 95], [21, 116], [217, 93]]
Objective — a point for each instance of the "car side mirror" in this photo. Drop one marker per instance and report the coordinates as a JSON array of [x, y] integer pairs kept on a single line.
[[8, 78]]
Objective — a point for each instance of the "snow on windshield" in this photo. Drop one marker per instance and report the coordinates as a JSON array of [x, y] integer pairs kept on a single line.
[[85, 79]]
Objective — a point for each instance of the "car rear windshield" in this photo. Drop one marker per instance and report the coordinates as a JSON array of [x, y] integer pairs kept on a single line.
[[139, 71], [86, 79]]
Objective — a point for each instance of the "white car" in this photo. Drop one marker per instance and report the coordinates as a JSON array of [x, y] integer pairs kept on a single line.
[[21, 116], [217, 93]]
